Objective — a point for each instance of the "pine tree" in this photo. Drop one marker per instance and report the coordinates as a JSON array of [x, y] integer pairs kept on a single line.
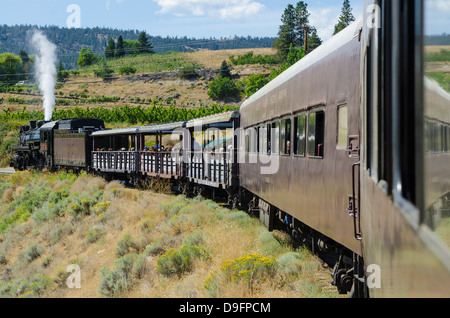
[[120, 48], [110, 50], [62, 74], [286, 34], [144, 44], [301, 22], [225, 70], [314, 41], [346, 17]]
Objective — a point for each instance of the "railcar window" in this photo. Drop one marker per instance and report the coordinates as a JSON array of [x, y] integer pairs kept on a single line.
[[300, 135], [252, 140], [247, 142], [275, 140], [342, 134], [316, 134], [269, 138], [263, 139], [436, 163], [286, 136]]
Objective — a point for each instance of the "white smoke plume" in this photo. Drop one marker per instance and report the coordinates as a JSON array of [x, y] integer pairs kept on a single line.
[[45, 67]]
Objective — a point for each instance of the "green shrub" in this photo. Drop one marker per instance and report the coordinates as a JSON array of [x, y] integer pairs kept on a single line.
[[194, 239], [124, 245], [127, 70], [181, 261], [92, 236], [33, 252], [154, 249], [222, 88], [32, 198], [140, 266], [119, 279], [172, 207], [46, 261], [40, 283]]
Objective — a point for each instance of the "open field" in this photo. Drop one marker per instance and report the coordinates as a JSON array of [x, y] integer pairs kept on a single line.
[[436, 48], [131, 243], [141, 88]]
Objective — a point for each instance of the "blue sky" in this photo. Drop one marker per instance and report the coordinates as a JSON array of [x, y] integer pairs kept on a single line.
[[193, 18]]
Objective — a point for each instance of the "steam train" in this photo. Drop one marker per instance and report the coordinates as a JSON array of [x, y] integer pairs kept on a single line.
[[348, 149]]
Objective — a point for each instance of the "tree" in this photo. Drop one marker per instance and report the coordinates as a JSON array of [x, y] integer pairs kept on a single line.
[[295, 54], [144, 44], [295, 26], [120, 48], [87, 57], [346, 17], [10, 65], [222, 87], [110, 51], [301, 22], [286, 33], [254, 83], [24, 57], [62, 74], [314, 41], [225, 70]]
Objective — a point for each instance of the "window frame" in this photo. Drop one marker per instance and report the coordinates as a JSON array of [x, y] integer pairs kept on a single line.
[[338, 128], [314, 112], [297, 140], [275, 136], [287, 136]]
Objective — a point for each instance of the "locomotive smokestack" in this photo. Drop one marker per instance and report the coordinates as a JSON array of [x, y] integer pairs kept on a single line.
[[46, 59]]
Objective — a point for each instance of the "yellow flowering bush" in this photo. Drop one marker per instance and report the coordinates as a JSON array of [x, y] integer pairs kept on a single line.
[[101, 207], [249, 268]]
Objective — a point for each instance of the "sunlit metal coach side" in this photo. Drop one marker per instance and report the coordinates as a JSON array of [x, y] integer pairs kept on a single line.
[[315, 106]]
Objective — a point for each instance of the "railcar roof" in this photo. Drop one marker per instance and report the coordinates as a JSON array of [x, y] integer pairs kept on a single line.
[[169, 127], [143, 129], [213, 119], [336, 42]]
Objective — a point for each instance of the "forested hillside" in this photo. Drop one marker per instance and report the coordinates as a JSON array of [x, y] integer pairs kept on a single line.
[[70, 41]]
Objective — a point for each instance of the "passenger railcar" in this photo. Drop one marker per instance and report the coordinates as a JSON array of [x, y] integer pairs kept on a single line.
[[305, 123]]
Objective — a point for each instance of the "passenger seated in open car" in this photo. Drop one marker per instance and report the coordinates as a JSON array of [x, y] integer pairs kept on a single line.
[[158, 147]]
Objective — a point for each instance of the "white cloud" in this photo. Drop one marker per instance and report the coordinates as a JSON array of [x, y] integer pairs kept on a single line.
[[442, 5], [223, 9], [108, 4], [324, 21]]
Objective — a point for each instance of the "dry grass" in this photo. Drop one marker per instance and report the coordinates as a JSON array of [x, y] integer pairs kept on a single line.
[[155, 223], [214, 59], [436, 48]]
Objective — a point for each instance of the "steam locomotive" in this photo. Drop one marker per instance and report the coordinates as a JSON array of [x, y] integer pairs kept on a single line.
[[348, 149]]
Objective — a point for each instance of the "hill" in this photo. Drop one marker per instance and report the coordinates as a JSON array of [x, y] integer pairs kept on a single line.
[[131, 243], [155, 82], [70, 41]]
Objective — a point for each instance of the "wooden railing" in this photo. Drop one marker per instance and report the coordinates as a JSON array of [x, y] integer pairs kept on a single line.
[[212, 167]]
